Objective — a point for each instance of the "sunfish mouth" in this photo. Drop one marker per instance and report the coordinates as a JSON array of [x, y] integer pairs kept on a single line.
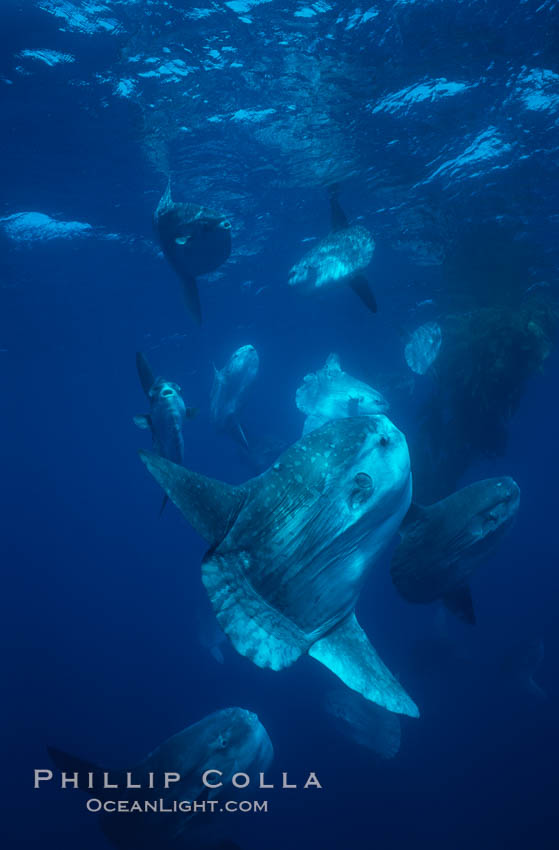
[[166, 393]]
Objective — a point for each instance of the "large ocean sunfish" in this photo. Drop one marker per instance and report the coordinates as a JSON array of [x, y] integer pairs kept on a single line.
[[337, 260], [195, 241], [290, 550], [231, 740], [442, 544]]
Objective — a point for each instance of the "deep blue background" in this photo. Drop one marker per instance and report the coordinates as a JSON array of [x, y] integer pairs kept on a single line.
[[102, 656]]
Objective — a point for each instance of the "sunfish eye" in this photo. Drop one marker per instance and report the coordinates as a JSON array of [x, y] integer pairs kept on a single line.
[[226, 225], [363, 481], [181, 240], [222, 742], [362, 490]]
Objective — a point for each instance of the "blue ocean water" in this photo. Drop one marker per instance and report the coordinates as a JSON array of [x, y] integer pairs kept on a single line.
[[439, 123]]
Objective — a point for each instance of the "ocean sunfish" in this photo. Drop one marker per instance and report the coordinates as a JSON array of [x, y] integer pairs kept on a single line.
[[423, 347], [367, 724], [442, 544], [194, 240], [331, 393], [167, 414], [232, 740], [338, 259], [230, 388], [290, 549]]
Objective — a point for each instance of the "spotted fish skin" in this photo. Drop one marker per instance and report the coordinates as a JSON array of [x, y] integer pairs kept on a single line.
[[319, 519], [291, 549]]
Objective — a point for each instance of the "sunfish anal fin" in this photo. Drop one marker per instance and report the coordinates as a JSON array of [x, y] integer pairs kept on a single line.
[[192, 298], [360, 286], [459, 602], [210, 506], [347, 652]]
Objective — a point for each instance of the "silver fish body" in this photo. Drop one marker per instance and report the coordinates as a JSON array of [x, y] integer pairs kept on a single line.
[[334, 261]]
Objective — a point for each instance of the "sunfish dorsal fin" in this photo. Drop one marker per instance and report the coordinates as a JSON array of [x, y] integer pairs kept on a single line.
[[166, 200], [338, 218], [210, 506], [333, 363], [145, 374], [346, 651], [416, 513]]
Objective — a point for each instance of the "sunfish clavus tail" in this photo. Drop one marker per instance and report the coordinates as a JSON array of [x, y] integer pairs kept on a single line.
[[290, 549]]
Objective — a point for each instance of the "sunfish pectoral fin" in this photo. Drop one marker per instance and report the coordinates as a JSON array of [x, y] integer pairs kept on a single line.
[[142, 421], [346, 651], [210, 506], [459, 602], [191, 296], [360, 286]]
